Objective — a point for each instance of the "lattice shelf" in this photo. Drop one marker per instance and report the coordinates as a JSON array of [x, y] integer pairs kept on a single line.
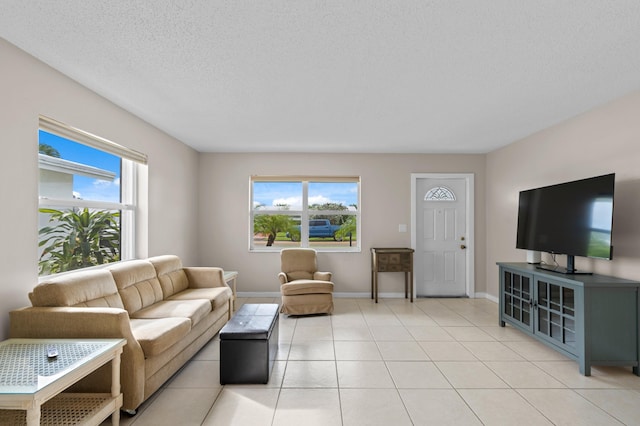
[[66, 409]]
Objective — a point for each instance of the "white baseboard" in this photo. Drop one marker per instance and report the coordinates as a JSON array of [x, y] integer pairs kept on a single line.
[[486, 296], [352, 295], [258, 294]]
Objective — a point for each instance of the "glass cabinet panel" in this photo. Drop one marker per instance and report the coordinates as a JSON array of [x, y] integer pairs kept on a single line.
[[517, 297], [554, 297], [543, 297], [555, 313], [568, 305]]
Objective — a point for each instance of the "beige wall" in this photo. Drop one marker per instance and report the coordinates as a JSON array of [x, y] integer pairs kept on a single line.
[[604, 140], [385, 199], [198, 203], [29, 88]]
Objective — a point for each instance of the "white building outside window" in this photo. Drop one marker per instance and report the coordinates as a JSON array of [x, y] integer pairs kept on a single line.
[[87, 199]]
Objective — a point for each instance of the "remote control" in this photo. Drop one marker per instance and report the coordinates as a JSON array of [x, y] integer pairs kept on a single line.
[[52, 352]]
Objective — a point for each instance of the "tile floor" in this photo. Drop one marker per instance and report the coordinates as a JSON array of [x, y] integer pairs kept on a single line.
[[433, 362]]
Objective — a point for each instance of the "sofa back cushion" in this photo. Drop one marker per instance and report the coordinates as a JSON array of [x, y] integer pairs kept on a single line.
[[172, 277], [86, 288], [137, 284]]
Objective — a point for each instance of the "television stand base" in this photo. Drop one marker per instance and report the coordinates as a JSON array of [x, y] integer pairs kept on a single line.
[[562, 270]]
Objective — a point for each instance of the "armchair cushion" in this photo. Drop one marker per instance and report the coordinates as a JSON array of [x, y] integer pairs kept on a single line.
[[306, 287]]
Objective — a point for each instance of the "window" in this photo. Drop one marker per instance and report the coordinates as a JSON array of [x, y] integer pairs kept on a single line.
[[87, 199], [317, 212]]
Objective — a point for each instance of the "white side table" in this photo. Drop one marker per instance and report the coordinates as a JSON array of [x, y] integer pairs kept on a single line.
[[31, 384], [230, 279]]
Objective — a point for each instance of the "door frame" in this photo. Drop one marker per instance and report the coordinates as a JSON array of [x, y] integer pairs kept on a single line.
[[470, 215]]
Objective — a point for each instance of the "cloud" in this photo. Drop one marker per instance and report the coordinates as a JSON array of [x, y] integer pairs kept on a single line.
[[105, 184], [320, 199], [289, 201]]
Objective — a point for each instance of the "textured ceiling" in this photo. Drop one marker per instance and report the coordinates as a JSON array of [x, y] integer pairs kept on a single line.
[[410, 76]]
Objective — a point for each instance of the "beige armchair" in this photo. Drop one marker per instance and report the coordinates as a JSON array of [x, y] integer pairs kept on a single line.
[[304, 289]]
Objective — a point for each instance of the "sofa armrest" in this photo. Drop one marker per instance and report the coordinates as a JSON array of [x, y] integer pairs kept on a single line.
[[205, 277], [70, 322], [94, 323], [283, 278], [322, 276]]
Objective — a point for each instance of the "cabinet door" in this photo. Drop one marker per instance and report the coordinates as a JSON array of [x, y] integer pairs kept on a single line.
[[517, 298], [555, 318]]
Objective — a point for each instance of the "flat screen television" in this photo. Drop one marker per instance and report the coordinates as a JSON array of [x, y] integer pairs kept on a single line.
[[572, 218]]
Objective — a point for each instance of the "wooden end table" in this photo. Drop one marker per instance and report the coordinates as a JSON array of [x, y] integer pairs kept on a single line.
[[392, 260]]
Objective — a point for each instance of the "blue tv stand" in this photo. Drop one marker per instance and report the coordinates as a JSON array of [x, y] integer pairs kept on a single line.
[[592, 319]]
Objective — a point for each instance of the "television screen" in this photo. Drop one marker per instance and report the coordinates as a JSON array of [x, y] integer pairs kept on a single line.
[[572, 218]]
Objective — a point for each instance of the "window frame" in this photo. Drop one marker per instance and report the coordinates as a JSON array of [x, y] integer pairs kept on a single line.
[[305, 212], [130, 163]]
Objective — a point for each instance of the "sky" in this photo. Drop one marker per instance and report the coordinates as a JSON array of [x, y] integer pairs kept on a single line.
[[88, 188], [290, 193], [265, 193]]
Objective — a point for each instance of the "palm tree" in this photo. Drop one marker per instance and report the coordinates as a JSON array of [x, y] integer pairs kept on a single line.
[[46, 149], [79, 239], [347, 228], [271, 225]]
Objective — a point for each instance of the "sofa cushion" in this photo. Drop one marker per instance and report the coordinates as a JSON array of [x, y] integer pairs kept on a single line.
[[157, 335], [87, 288], [306, 287], [170, 274], [219, 296], [194, 310], [137, 284]]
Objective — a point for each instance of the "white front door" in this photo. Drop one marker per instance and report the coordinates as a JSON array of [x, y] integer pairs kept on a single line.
[[441, 240]]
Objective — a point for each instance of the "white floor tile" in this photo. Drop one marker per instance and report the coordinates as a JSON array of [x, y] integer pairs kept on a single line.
[[491, 351], [241, 406], [310, 374], [311, 350], [502, 407], [373, 407], [431, 362], [309, 407], [470, 374], [178, 407], [566, 407], [417, 375], [623, 404], [363, 374], [447, 351], [523, 374], [442, 407], [468, 334], [197, 374], [402, 351], [357, 351], [392, 333]]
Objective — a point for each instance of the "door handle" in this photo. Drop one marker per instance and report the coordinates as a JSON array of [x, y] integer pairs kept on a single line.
[[463, 247]]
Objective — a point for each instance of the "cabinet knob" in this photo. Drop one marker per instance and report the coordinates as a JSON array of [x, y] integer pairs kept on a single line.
[[463, 246]]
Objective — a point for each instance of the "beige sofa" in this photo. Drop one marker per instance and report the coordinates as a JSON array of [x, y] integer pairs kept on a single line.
[[166, 313]]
